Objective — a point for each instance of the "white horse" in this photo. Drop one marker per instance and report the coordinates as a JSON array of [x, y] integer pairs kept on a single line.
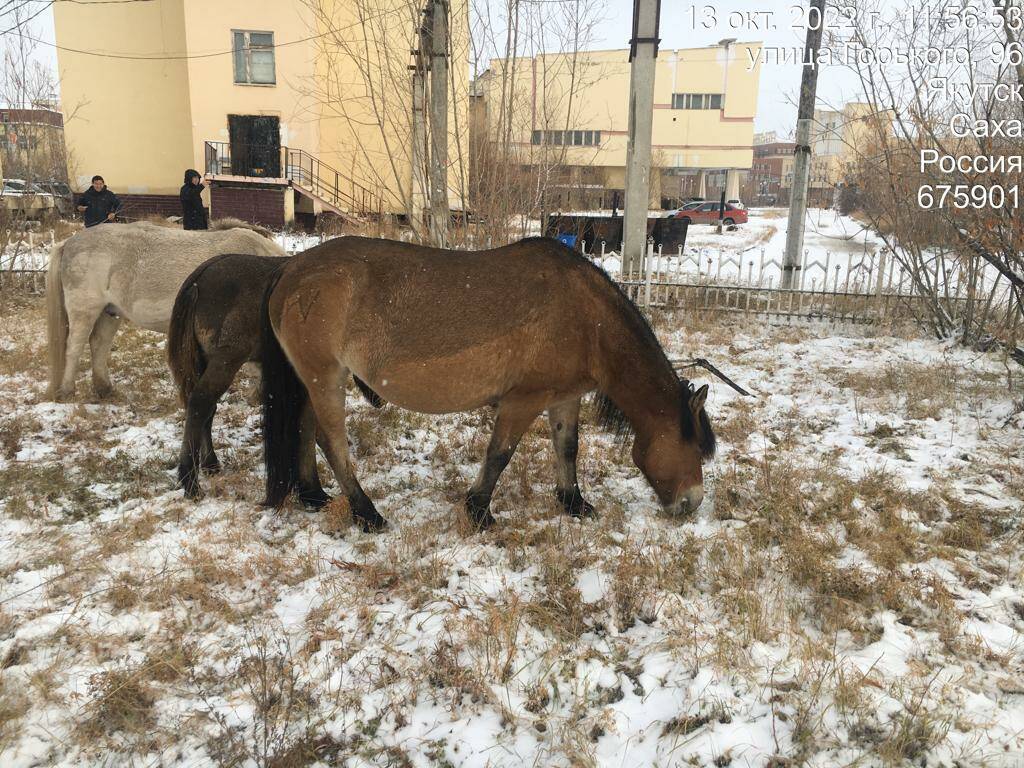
[[105, 273]]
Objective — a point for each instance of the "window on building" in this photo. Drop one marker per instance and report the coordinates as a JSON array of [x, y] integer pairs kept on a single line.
[[567, 138], [254, 57], [696, 101]]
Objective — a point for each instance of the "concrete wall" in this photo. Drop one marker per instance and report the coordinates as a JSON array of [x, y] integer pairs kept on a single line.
[[141, 123], [591, 92], [365, 101], [213, 91], [127, 119]]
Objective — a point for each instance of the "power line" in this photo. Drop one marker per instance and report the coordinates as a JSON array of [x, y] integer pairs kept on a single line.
[[24, 22], [186, 56]]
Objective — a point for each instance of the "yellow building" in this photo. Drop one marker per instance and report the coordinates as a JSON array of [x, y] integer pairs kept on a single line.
[[571, 112], [836, 137], [278, 104]]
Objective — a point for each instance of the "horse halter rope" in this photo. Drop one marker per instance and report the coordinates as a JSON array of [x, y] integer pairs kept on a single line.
[[696, 362]]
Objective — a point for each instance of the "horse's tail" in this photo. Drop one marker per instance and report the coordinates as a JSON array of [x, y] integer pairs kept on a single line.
[[56, 319], [284, 397], [184, 355]]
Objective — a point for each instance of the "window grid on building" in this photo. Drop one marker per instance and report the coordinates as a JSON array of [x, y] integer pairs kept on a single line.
[[253, 54], [567, 138], [696, 101]]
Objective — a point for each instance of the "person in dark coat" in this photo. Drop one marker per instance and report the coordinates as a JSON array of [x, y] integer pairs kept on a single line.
[[98, 204], [193, 214]]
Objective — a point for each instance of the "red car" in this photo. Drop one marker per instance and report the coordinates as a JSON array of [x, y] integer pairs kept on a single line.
[[708, 214]]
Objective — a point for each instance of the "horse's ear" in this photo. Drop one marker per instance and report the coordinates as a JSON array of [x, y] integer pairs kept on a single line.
[[698, 398]]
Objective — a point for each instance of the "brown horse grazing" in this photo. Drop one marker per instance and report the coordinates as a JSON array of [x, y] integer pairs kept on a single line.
[[529, 327], [214, 331]]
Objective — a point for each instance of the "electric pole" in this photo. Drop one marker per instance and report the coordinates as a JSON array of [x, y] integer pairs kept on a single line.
[[439, 209], [802, 152], [420, 154], [643, 55]]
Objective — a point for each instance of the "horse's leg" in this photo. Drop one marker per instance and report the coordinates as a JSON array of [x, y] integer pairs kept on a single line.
[[208, 461], [100, 341], [565, 435], [80, 325], [197, 444], [252, 393], [327, 396], [307, 486], [513, 419]]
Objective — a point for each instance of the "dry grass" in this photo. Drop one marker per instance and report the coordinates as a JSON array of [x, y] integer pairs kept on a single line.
[[546, 625], [121, 703]]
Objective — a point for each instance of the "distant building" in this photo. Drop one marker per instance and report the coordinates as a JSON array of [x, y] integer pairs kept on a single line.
[[766, 137], [836, 136], [283, 117], [32, 145], [568, 117], [772, 174]]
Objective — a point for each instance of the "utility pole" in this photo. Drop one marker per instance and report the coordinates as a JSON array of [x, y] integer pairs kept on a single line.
[[418, 199], [802, 159], [439, 210], [643, 55]]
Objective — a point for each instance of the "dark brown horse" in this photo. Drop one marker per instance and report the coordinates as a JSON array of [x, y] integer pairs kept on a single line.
[[214, 331], [212, 334], [530, 327]]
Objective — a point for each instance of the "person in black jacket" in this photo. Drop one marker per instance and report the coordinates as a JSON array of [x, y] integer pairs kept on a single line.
[[193, 214], [98, 204]]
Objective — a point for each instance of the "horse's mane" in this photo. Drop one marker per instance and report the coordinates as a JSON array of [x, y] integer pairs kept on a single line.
[[230, 222], [609, 415]]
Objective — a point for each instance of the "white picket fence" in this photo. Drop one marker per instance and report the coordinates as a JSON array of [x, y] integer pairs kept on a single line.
[[867, 288], [859, 288]]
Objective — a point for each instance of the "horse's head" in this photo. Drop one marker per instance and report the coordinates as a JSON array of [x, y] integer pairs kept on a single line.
[[670, 454]]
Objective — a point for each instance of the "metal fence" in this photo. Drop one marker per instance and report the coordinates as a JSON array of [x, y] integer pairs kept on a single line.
[[840, 288], [23, 261]]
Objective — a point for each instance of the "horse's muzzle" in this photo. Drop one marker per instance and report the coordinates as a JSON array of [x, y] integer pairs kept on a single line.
[[688, 502]]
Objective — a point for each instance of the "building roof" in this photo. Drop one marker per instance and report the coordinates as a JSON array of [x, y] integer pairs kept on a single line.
[[30, 116]]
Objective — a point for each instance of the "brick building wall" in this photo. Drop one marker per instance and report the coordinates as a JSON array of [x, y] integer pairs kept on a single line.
[[137, 206], [258, 204]]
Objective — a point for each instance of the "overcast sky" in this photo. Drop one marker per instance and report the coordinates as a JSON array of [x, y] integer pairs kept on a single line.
[[779, 83]]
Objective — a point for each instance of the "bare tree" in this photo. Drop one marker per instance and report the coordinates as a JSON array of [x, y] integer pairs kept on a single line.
[[951, 222], [33, 150], [363, 92], [529, 77]]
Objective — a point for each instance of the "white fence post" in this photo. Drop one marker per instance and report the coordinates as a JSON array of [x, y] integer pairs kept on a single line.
[[647, 278]]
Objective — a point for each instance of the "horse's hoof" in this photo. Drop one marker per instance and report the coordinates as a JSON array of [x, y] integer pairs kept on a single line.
[[103, 391], [586, 509], [479, 514], [193, 492], [482, 522], [314, 498], [372, 524], [574, 504], [64, 395]]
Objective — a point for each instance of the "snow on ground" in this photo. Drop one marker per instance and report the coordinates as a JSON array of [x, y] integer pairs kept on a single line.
[[753, 252], [851, 591]]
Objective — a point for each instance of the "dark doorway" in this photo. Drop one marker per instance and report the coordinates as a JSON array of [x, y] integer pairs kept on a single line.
[[255, 145]]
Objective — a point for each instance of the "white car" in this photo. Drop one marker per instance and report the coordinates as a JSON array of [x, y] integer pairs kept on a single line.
[[18, 196], [736, 204], [688, 207]]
